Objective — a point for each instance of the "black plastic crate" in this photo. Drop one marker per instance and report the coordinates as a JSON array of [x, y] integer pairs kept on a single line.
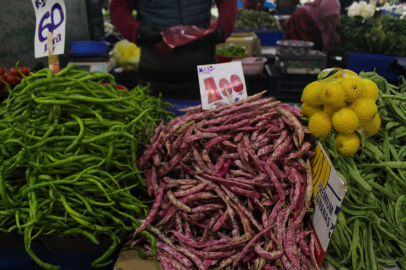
[[312, 63], [287, 88], [255, 83], [95, 19]]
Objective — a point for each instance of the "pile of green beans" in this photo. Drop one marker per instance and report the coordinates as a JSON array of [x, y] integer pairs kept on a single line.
[[68, 150], [370, 231]]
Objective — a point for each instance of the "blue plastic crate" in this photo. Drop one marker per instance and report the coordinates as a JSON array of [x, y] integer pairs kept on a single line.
[[181, 104], [358, 62], [390, 13], [269, 38]]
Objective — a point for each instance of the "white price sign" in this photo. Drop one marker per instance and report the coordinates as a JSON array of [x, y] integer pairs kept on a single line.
[[221, 83], [51, 17]]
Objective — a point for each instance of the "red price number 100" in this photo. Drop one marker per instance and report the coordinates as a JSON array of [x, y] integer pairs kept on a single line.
[[235, 84]]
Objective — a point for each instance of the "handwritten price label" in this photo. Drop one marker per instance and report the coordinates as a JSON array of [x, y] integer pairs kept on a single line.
[[50, 17], [221, 83]]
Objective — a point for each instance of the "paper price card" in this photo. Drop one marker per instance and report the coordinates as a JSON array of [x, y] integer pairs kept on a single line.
[[221, 84], [51, 17], [328, 194]]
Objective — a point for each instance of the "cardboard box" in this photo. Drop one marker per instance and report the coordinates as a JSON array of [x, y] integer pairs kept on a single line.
[[328, 194], [248, 39]]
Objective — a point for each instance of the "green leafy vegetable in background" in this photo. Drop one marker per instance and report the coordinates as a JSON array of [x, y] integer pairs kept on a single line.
[[381, 35], [233, 50], [255, 19]]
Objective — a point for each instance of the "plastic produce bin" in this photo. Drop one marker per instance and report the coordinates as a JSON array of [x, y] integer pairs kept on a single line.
[[269, 38], [287, 88], [251, 66], [358, 62]]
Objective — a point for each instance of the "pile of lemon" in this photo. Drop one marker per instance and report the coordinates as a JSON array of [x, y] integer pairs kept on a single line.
[[342, 104]]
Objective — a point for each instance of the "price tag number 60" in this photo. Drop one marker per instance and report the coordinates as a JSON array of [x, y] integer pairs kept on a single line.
[[215, 95], [57, 18]]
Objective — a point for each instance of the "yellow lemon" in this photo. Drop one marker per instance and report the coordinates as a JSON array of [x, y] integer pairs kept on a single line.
[[345, 121], [365, 109], [332, 94], [332, 109], [347, 144], [370, 90], [353, 88], [320, 124], [373, 127], [311, 93], [308, 110]]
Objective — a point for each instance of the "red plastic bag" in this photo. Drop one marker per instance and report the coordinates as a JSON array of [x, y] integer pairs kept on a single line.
[[180, 35]]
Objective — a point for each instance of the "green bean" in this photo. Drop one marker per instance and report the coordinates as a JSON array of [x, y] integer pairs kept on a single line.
[[97, 262], [354, 244]]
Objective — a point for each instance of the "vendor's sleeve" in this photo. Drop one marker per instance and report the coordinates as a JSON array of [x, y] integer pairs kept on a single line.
[[122, 18], [227, 15]]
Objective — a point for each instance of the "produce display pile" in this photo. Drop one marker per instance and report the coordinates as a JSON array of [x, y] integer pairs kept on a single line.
[[370, 232], [232, 50], [251, 19], [232, 185], [381, 35], [68, 157], [341, 105]]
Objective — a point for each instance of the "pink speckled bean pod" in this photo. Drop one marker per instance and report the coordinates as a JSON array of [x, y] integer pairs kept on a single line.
[[268, 255], [305, 147], [302, 235], [244, 220], [225, 168], [197, 216], [214, 255], [282, 148], [220, 222], [171, 164], [190, 191], [203, 135], [232, 156], [292, 163], [261, 177], [142, 161], [279, 227], [236, 125], [303, 262], [293, 110], [217, 139], [223, 181], [304, 247], [227, 261], [241, 173], [289, 243], [174, 253], [232, 244], [154, 209], [266, 149], [286, 263], [193, 257], [295, 122], [246, 193], [178, 204], [313, 251], [250, 245], [191, 109], [195, 244], [178, 142], [243, 209], [160, 235], [208, 207], [309, 183], [247, 145], [244, 105], [274, 179]]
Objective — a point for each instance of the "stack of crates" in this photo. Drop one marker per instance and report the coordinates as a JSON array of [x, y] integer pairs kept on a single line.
[[95, 19]]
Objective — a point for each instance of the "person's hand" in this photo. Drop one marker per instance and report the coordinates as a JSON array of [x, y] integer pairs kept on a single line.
[[214, 38], [149, 34], [335, 39]]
